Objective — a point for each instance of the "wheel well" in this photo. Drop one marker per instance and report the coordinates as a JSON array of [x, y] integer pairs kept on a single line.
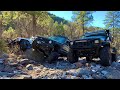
[[56, 47]]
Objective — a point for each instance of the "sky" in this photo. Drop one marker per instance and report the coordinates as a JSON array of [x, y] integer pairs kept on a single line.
[[98, 16]]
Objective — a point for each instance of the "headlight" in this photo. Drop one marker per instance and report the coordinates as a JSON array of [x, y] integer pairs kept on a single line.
[[96, 41], [50, 42], [71, 43]]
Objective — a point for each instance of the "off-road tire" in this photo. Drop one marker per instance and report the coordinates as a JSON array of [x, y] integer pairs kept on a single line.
[[52, 57], [34, 44], [105, 56], [114, 58], [24, 44], [72, 57]]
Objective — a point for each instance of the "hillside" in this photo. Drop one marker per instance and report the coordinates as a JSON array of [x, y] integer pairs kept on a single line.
[[58, 19]]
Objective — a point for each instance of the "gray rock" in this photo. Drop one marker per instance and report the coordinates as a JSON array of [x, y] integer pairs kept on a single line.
[[93, 64], [74, 77], [4, 77], [17, 72], [73, 66], [114, 64], [13, 64], [78, 64], [63, 75], [2, 67], [83, 61], [4, 56], [84, 71], [98, 66], [2, 61], [6, 74], [8, 68], [55, 77], [114, 74], [85, 76], [94, 70], [34, 55], [73, 72], [95, 67], [29, 67], [24, 61], [104, 72], [25, 77], [96, 76]]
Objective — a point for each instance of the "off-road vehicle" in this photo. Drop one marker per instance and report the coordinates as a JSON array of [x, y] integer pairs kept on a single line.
[[96, 44], [52, 47], [23, 43]]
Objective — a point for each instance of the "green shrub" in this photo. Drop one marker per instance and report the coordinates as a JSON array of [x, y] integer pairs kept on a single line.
[[3, 46], [10, 33]]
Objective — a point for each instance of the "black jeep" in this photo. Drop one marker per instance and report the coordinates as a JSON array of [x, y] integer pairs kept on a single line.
[[96, 44], [52, 47]]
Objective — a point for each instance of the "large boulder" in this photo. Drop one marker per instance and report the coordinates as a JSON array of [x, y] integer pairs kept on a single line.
[[34, 55], [24, 61], [29, 67], [1, 67], [24, 77], [7, 74]]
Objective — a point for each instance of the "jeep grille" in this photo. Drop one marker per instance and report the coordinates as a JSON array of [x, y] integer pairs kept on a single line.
[[83, 43]]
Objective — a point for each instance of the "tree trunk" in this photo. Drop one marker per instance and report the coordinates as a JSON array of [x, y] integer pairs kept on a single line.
[[1, 28], [71, 32], [34, 24], [83, 28], [113, 28]]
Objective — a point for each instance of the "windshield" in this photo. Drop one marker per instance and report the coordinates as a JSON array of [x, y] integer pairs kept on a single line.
[[90, 37], [58, 39]]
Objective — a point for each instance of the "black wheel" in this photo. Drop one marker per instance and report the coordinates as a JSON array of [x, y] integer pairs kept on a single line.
[[88, 59], [52, 57], [24, 45], [34, 44], [105, 56], [72, 57], [114, 58]]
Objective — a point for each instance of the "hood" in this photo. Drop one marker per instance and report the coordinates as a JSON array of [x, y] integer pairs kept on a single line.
[[90, 39]]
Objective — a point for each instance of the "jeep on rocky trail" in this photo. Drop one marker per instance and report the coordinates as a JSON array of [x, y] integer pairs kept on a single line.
[[96, 44], [23, 43], [52, 47]]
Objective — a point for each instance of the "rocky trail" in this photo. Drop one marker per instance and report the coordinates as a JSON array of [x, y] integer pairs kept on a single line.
[[12, 67]]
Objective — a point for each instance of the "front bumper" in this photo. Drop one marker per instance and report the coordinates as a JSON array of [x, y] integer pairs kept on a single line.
[[87, 51]]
